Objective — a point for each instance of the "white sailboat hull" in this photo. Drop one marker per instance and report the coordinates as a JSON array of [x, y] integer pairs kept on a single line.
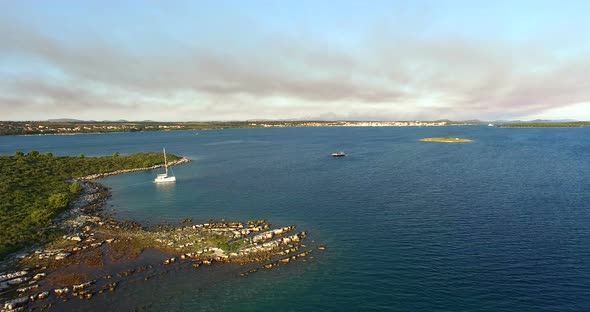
[[165, 179]]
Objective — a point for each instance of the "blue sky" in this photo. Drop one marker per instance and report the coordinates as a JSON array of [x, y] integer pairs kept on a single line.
[[237, 60]]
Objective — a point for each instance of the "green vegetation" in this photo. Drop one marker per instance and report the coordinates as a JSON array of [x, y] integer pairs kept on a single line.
[[576, 124], [233, 246], [446, 140], [33, 190], [46, 127]]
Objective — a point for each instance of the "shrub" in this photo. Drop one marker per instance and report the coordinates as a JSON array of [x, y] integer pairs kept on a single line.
[[75, 188], [58, 200]]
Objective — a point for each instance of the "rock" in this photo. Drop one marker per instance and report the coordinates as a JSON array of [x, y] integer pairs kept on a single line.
[[39, 276], [285, 260], [112, 286], [268, 266], [43, 295], [322, 248], [294, 238], [76, 238], [15, 303], [25, 289], [12, 275], [61, 291], [62, 255], [18, 280], [82, 286]]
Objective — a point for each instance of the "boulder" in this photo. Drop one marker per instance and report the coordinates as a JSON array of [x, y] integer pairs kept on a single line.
[[81, 286], [43, 295]]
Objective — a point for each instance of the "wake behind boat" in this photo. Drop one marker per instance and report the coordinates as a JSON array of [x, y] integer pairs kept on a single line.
[[164, 177]]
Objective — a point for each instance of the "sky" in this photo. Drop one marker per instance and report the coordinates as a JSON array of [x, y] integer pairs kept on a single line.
[[321, 60]]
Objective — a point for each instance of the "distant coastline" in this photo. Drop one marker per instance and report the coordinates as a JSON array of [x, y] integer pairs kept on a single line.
[[87, 127], [578, 124], [30, 128]]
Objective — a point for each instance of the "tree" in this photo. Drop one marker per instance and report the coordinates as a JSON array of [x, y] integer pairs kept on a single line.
[[58, 200], [116, 154], [41, 217], [75, 188], [19, 153], [33, 153], [82, 155]]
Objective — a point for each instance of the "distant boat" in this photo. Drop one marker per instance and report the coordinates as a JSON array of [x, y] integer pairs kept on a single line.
[[338, 154], [164, 177], [490, 125]]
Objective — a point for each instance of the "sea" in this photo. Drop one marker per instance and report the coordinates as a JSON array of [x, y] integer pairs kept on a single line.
[[499, 224]]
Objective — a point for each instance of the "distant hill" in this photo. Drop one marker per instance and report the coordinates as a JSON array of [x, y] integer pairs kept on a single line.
[[64, 120]]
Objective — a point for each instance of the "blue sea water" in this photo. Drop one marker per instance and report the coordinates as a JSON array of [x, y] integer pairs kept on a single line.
[[495, 225]]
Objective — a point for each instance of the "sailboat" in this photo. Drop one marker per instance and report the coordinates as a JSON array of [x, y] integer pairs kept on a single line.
[[164, 177]]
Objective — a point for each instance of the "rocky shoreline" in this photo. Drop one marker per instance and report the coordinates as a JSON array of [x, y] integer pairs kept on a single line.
[[81, 263]]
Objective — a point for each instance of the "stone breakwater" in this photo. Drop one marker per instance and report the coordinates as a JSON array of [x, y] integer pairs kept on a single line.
[[181, 161], [77, 265]]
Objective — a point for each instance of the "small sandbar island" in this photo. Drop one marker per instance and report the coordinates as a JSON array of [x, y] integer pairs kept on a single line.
[[446, 140]]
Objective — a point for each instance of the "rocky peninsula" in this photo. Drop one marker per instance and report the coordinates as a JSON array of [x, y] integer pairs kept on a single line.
[[446, 140], [97, 253]]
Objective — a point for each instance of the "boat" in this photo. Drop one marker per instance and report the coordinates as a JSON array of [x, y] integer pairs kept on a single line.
[[164, 177], [338, 154], [490, 125]]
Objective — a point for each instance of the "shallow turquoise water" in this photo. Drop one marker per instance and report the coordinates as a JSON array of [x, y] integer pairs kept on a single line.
[[498, 224]]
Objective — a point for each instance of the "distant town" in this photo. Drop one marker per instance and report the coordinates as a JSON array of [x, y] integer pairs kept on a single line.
[[76, 127]]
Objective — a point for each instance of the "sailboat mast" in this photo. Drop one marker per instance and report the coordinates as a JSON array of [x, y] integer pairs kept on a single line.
[[165, 162]]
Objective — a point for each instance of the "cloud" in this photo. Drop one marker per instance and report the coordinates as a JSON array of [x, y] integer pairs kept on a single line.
[[382, 76]]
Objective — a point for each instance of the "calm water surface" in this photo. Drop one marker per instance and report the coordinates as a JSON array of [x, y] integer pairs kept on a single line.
[[498, 224]]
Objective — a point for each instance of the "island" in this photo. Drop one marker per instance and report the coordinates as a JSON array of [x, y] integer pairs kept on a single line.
[[446, 140], [58, 243]]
